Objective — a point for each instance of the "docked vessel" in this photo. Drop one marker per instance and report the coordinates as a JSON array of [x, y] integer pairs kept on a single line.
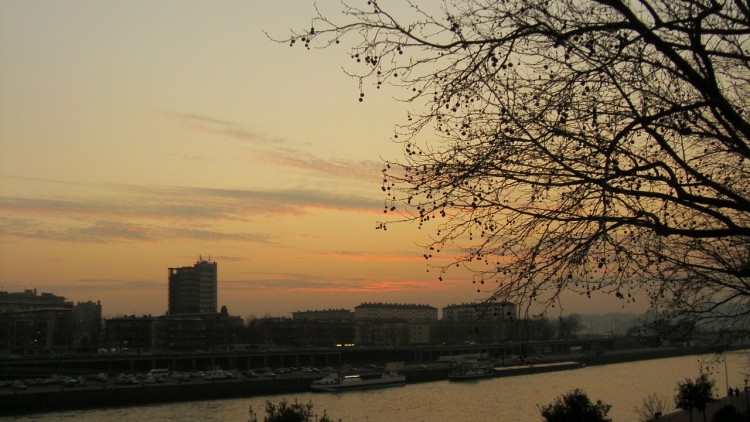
[[336, 382], [536, 368], [471, 371]]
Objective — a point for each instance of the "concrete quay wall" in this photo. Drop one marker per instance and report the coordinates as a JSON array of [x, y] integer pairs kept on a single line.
[[27, 401]]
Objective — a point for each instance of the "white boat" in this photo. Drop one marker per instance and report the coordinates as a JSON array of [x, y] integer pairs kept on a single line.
[[339, 382], [471, 371]]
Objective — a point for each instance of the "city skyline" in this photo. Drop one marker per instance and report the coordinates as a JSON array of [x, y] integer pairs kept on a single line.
[[137, 136]]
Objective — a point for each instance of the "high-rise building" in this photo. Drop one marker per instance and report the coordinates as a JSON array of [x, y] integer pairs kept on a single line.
[[192, 290]]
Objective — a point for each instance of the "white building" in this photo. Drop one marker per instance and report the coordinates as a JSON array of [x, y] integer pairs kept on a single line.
[[479, 311], [408, 312]]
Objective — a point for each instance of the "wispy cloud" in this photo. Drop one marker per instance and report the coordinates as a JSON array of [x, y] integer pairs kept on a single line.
[[222, 128], [366, 170], [102, 230], [102, 284], [144, 213], [235, 203], [274, 150], [188, 202]]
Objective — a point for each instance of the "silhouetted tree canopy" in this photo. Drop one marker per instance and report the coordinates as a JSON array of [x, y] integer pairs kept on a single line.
[[569, 326], [289, 412], [575, 406], [582, 145], [695, 394]]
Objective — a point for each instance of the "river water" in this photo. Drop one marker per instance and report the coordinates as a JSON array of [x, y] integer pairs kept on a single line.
[[511, 399]]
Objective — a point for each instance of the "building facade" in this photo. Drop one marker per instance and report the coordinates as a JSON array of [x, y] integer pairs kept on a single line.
[[324, 315], [87, 326], [130, 332], [296, 332], [193, 290], [184, 332], [34, 324], [480, 311], [30, 300], [395, 311], [44, 331]]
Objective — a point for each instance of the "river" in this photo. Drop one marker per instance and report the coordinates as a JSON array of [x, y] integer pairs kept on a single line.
[[511, 399]]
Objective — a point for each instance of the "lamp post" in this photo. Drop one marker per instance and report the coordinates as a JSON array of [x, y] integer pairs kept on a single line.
[[747, 408], [726, 372]]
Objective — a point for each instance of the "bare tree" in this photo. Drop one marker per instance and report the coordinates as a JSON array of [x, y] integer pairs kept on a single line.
[[653, 407], [582, 145], [569, 326]]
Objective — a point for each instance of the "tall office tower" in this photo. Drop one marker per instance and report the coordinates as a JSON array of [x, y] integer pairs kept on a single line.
[[192, 290]]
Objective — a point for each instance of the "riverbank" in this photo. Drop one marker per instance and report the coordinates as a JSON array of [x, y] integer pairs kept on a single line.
[[56, 398], [92, 396]]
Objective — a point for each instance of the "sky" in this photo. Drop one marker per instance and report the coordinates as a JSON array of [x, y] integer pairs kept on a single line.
[[141, 135]]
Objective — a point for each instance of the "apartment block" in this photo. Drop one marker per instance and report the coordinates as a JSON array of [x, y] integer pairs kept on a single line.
[[193, 290]]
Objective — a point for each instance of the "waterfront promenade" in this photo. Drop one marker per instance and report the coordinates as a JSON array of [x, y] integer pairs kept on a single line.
[[95, 394], [738, 402], [242, 360], [509, 399]]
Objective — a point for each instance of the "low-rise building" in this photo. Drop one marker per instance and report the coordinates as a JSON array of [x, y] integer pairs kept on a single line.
[[302, 332], [395, 311], [30, 300], [87, 326], [34, 324], [480, 311], [185, 332], [324, 315], [35, 332]]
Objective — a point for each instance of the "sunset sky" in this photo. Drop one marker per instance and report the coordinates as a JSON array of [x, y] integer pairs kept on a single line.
[[139, 135]]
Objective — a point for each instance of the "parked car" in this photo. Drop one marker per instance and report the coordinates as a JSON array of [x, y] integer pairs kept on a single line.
[[18, 385], [70, 382], [124, 379], [218, 374], [181, 376]]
